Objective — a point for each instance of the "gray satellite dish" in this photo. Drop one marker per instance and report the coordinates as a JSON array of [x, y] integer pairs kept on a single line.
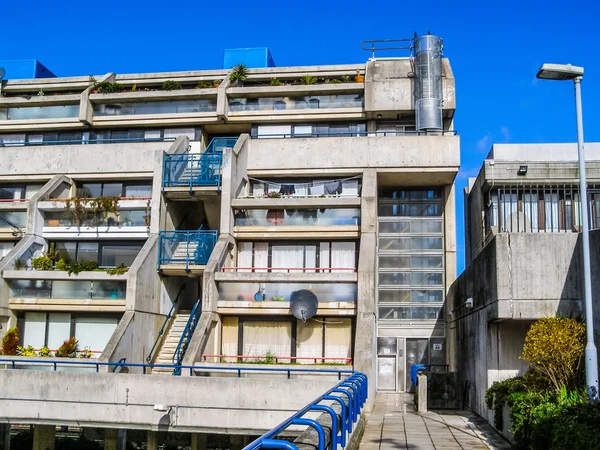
[[2, 72], [303, 304]]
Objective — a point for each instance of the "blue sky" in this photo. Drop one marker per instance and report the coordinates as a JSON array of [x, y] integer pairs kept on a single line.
[[495, 49]]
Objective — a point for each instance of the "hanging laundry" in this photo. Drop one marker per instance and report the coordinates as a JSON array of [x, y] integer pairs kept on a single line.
[[287, 189], [333, 188]]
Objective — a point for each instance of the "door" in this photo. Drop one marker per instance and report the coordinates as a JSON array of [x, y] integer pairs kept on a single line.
[[387, 349], [417, 352]]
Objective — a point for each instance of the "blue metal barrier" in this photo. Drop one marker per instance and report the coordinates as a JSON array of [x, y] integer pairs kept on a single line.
[[354, 387], [197, 169], [186, 337], [203, 240]]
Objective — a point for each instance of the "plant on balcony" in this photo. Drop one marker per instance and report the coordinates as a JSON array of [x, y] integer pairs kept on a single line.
[[82, 266], [347, 79], [204, 84], [119, 270], [82, 209], [106, 87], [45, 352], [43, 262], [275, 82], [332, 81], [26, 351], [10, 342], [238, 74], [273, 195], [68, 349], [171, 85], [18, 264], [216, 83], [359, 78], [61, 265], [85, 353], [308, 79], [147, 214]]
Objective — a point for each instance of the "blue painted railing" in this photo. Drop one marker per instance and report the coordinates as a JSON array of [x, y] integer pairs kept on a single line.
[[83, 141], [196, 169], [186, 337], [14, 362], [355, 389], [164, 326], [203, 240]]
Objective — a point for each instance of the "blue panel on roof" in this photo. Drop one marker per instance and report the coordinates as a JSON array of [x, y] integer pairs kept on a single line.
[[25, 69], [253, 57]]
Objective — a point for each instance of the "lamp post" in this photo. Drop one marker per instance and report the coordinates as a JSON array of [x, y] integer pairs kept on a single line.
[[569, 72]]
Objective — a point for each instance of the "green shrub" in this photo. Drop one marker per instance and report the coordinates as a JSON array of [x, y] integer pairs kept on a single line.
[[119, 270], [577, 427], [18, 264], [85, 353], [205, 84], [238, 74], [10, 342], [554, 347], [106, 87], [44, 352], [61, 265], [68, 349], [82, 266], [171, 85], [43, 262], [26, 351], [308, 79], [274, 82]]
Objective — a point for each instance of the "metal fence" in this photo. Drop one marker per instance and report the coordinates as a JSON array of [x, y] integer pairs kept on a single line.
[[186, 247]]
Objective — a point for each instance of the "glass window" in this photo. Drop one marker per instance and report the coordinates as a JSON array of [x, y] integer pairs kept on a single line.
[[5, 248], [59, 329], [71, 289], [66, 251], [93, 333], [115, 290], [88, 251], [30, 289], [16, 219], [12, 192], [138, 191], [91, 190], [115, 255], [112, 190], [34, 333]]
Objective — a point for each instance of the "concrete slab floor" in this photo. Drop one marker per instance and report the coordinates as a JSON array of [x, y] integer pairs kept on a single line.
[[395, 425]]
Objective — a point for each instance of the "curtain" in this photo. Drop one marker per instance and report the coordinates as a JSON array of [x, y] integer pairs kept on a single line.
[[343, 255], [229, 337], [34, 333], [311, 257], [309, 340], [338, 338], [551, 211], [244, 256], [509, 207], [324, 255], [531, 212], [94, 332], [262, 337], [261, 256], [287, 256], [59, 329]]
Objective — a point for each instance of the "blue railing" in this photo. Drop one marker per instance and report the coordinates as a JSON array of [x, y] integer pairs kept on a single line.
[[162, 329], [355, 389], [83, 141], [186, 337], [196, 169], [14, 362], [186, 247]]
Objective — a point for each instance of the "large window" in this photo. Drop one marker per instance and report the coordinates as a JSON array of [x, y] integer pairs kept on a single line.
[[291, 103], [160, 107], [13, 219], [297, 217], [115, 189], [77, 290], [10, 192], [308, 130], [282, 292], [106, 254], [336, 256], [410, 254], [39, 112], [296, 187]]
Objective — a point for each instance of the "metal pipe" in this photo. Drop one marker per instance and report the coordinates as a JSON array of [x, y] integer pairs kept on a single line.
[[591, 355]]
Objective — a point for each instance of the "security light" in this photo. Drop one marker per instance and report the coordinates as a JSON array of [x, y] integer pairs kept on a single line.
[[559, 72], [522, 170]]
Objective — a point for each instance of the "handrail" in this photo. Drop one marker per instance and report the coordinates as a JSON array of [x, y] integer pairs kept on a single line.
[[205, 240], [373, 46], [345, 361], [186, 337], [162, 329], [13, 361], [355, 388], [288, 269], [89, 141], [359, 134]]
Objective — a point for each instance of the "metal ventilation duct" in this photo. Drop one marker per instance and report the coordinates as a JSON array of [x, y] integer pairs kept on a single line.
[[428, 82]]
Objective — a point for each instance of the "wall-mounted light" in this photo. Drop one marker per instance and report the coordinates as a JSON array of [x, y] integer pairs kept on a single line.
[[522, 170]]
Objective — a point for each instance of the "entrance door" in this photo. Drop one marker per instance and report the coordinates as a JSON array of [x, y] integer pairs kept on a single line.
[[417, 352], [387, 348]]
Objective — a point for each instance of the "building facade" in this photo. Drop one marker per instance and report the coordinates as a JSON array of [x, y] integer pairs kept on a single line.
[[180, 221]]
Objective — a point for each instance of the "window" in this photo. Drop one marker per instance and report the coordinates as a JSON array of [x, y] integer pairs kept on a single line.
[[106, 254], [112, 189]]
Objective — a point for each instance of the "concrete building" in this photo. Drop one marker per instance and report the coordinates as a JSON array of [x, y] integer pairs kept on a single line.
[[523, 247], [223, 201]]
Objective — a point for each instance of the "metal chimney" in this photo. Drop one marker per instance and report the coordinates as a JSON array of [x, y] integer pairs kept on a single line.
[[428, 82]]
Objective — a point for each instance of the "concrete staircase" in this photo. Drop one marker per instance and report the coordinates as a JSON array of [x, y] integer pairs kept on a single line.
[[185, 251], [167, 350]]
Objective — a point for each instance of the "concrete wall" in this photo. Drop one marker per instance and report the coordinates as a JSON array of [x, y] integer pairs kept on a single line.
[[543, 152], [221, 405], [354, 153]]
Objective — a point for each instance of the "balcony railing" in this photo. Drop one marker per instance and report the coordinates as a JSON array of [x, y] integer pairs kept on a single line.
[[314, 134], [197, 169], [295, 103], [297, 217], [39, 112], [83, 141], [186, 247], [93, 290]]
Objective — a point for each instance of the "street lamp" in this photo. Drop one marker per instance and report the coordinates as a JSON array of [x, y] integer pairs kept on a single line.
[[569, 72]]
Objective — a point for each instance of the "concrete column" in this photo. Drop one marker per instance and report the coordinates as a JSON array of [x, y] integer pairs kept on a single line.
[[44, 437], [152, 440], [199, 441], [236, 442], [111, 436], [5, 435]]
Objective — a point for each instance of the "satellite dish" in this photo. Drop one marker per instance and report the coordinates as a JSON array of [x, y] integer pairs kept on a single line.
[[2, 72], [303, 304]]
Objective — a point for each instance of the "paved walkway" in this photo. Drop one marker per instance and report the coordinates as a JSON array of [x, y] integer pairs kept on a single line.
[[395, 425]]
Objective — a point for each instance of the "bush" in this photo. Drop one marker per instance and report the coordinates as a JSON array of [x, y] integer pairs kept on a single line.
[[27, 351], [10, 342], [19, 264], [61, 265], [82, 266], [203, 84], [238, 74], [171, 85], [119, 270], [68, 349], [106, 87], [43, 262], [44, 352], [554, 347]]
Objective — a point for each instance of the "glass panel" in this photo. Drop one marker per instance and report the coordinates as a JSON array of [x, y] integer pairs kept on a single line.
[[249, 292], [91, 190], [30, 288], [409, 194], [93, 333], [413, 243], [261, 338], [5, 248], [66, 251], [244, 256], [11, 193], [42, 112], [114, 290], [173, 107], [338, 338], [306, 102], [32, 189], [297, 217], [410, 209], [112, 190], [138, 191], [343, 255], [59, 329], [115, 255], [71, 289], [16, 219], [34, 333], [410, 278], [409, 312], [88, 251], [287, 257], [309, 341]]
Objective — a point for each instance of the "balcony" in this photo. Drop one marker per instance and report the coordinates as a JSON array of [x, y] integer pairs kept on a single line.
[[124, 223], [185, 252], [195, 173]]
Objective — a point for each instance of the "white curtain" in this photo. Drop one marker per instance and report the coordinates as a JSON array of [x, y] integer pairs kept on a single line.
[[311, 257], [34, 333], [273, 131], [531, 212], [261, 256], [229, 337], [264, 337], [509, 207], [324, 255], [309, 340], [93, 333], [287, 256], [244, 256], [343, 255], [338, 338], [59, 329], [551, 210]]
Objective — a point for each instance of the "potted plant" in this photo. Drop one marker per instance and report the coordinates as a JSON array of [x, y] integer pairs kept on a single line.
[[308, 79], [10, 342], [68, 349], [216, 83], [171, 85], [238, 74], [359, 78]]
